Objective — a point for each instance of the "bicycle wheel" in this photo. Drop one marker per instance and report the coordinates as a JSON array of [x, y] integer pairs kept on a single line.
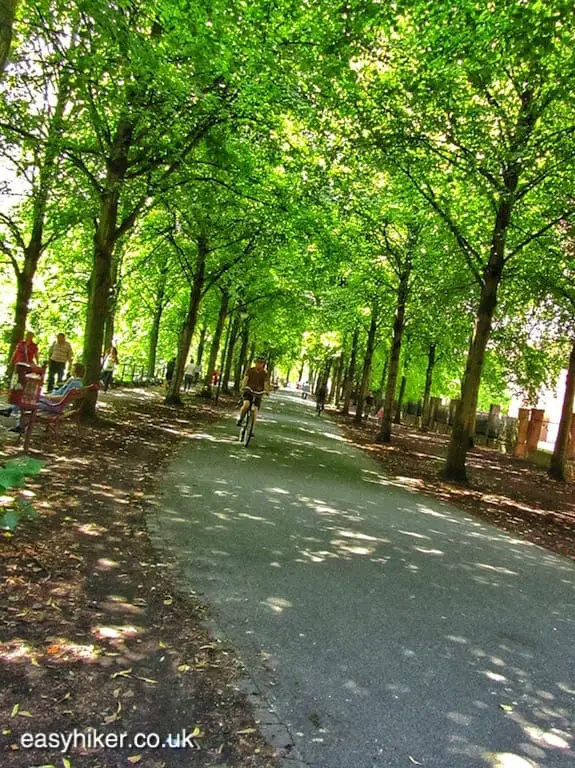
[[244, 426], [249, 428]]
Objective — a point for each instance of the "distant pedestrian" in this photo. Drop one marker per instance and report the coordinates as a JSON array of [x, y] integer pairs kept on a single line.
[[320, 398], [109, 366], [305, 390], [189, 376], [60, 355]]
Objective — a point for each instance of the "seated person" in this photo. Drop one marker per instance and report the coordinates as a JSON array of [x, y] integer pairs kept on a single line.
[[49, 402]]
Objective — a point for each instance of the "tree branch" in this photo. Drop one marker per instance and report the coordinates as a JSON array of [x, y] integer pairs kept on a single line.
[[471, 255], [13, 227], [529, 239]]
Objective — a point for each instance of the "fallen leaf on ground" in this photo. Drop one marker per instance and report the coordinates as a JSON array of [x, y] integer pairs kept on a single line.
[[121, 673]]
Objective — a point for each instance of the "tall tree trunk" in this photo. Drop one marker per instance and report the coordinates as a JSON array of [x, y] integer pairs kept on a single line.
[[465, 414], [427, 388], [105, 239], [252, 353], [201, 345], [214, 349], [557, 468], [398, 328], [24, 283], [7, 16], [336, 381], [241, 361], [402, 385], [157, 319], [189, 325], [350, 373], [366, 372], [381, 390], [113, 303], [227, 366], [35, 247]]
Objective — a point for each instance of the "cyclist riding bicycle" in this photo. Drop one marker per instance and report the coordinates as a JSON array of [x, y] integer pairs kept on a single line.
[[256, 384]]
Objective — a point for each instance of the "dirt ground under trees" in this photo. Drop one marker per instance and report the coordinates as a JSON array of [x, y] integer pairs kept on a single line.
[[94, 634], [507, 492]]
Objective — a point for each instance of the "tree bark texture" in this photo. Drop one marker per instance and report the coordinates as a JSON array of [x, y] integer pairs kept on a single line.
[[159, 306], [398, 328], [201, 345], [431, 352], [33, 250], [105, 239], [558, 467], [381, 390], [189, 325], [7, 16], [459, 444], [402, 385], [214, 349], [241, 361], [227, 366], [350, 373], [366, 372], [336, 381]]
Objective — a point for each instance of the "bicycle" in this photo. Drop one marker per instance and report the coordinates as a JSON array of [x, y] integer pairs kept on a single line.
[[247, 426]]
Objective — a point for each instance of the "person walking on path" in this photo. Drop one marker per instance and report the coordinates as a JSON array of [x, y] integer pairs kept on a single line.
[[320, 398], [109, 366], [60, 355], [189, 376]]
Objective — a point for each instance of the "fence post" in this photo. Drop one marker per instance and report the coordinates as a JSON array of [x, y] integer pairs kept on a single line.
[[534, 429], [522, 428]]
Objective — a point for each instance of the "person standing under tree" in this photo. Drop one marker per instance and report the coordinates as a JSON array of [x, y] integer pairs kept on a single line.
[[109, 366], [320, 397], [60, 354], [189, 376]]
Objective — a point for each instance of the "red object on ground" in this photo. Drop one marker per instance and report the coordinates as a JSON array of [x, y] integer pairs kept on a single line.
[[26, 391]]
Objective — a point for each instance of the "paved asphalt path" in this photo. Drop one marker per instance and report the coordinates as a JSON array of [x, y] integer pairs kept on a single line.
[[384, 628]]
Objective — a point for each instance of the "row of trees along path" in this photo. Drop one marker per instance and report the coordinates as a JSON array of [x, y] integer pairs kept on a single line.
[[381, 192]]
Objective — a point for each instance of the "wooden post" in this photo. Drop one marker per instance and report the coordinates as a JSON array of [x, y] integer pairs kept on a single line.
[[523, 426], [534, 429]]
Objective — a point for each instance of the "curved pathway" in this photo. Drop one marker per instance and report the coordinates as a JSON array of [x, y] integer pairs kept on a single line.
[[381, 627]]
